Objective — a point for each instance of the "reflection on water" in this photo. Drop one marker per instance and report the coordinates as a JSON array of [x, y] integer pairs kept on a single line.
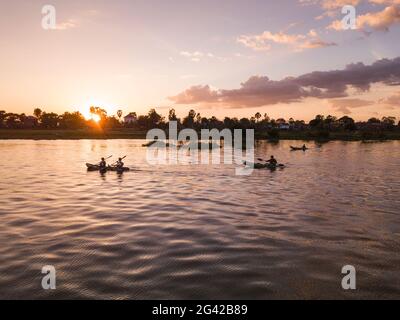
[[199, 231]]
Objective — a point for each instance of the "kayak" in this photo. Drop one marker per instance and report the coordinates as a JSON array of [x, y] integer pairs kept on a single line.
[[95, 167], [263, 165], [123, 169], [92, 167], [298, 149], [160, 144]]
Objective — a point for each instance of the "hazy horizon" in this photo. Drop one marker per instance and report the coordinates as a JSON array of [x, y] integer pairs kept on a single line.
[[231, 58]]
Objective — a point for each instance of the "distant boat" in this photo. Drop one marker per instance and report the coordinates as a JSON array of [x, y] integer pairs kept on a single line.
[[298, 148]]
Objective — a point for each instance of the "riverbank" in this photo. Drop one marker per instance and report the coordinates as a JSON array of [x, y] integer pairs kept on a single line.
[[8, 134], [309, 135]]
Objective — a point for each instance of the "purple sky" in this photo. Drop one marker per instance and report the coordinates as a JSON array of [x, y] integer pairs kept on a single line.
[[225, 57]]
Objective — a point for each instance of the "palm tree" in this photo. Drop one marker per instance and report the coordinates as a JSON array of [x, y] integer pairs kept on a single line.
[[119, 114], [172, 116], [37, 113], [98, 111]]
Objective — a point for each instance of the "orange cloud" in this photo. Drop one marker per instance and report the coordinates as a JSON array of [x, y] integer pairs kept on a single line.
[[387, 2], [193, 56], [381, 20], [69, 24], [335, 4], [264, 41]]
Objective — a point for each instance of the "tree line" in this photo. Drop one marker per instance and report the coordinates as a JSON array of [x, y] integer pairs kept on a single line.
[[100, 119]]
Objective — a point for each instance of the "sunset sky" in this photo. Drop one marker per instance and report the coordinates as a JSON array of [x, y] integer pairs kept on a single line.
[[223, 58]]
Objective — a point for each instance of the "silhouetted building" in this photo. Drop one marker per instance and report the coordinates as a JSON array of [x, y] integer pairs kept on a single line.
[[130, 118]]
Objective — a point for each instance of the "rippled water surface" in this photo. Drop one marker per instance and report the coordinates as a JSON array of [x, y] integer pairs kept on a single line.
[[199, 231]]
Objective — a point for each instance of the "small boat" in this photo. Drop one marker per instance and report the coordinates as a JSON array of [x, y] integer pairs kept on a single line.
[[113, 168], [92, 167], [160, 144], [95, 167], [263, 165], [298, 148]]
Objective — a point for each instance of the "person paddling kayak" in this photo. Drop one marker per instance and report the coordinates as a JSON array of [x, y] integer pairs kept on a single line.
[[119, 163], [102, 164], [273, 161]]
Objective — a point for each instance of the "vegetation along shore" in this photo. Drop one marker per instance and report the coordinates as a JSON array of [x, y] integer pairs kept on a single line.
[[51, 126]]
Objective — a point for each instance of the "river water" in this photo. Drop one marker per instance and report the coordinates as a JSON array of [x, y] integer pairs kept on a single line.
[[199, 231]]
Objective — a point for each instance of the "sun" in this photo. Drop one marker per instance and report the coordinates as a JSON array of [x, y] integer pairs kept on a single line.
[[95, 117], [91, 116], [85, 111]]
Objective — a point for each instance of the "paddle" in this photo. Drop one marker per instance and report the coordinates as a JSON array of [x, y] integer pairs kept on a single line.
[[105, 159], [118, 160]]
